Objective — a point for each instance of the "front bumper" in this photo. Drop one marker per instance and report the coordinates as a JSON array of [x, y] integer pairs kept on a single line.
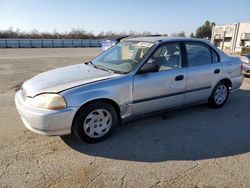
[[246, 69], [43, 121]]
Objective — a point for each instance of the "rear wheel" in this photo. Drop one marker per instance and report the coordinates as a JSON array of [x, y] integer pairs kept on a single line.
[[219, 95], [95, 122]]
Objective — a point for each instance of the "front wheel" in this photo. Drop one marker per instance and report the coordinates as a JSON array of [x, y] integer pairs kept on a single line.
[[219, 95], [95, 122]]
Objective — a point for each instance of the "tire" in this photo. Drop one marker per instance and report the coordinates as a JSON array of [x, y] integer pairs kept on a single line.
[[95, 122], [219, 95]]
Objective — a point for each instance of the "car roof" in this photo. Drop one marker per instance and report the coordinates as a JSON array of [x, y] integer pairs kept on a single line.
[[162, 39]]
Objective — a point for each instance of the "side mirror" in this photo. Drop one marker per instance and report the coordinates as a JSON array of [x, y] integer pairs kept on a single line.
[[149, 67]]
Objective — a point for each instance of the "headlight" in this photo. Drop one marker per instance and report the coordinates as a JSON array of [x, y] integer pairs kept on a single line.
[[245, 60], [47, 101]]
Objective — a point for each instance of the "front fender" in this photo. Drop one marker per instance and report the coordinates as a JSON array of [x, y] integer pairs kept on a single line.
[[118, 90], [79, 99]]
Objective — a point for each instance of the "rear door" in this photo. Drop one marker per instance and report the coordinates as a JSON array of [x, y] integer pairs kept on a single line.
[[203, 71]]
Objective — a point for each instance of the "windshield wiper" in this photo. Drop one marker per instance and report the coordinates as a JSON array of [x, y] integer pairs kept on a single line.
[[105, 69], [96, 66], [90, 62], [102, 68]]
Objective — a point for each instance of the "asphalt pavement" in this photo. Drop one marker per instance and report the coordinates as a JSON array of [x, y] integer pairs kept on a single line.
[[192, 147]]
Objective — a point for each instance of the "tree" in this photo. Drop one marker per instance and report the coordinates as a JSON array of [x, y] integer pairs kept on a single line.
[[180, 34], [205, 31], [75, 33], [192, 35], [146, 33]]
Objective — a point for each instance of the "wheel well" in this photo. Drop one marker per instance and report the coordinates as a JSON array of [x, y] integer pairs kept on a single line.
[[109, 101], [228, 82]]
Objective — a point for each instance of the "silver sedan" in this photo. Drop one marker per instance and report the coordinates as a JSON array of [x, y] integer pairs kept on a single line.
[[135, 77], [246, 65]]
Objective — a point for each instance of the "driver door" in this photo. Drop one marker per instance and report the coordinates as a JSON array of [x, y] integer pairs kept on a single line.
[[163, 89]]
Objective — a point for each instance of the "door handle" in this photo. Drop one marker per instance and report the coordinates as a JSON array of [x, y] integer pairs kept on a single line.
[[180, 77], [216, 71]]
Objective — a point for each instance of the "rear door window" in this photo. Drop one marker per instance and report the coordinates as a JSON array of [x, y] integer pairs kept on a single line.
[[198, 54], [215, 56]]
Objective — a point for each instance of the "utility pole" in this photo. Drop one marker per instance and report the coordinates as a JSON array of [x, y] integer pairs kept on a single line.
[[223, 39]]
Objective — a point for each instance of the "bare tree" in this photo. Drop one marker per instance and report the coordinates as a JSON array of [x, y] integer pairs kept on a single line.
[[180, 34], [74, 33]]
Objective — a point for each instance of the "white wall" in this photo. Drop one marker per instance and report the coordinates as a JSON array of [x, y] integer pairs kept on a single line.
[[233, 35], [218, 34], [243, 28]]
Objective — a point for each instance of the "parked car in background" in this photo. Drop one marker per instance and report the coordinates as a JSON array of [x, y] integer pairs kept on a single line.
[[137, 76], [246, 65]]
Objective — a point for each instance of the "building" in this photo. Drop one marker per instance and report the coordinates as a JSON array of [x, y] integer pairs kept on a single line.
[[231, 36]]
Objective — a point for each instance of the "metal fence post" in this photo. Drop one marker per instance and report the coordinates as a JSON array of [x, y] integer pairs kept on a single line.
[[6, 45], [30, 44]]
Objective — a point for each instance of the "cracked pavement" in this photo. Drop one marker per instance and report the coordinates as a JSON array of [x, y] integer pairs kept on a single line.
[[192, 147]]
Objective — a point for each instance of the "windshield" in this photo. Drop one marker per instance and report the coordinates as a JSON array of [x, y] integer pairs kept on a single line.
[[123, 57]]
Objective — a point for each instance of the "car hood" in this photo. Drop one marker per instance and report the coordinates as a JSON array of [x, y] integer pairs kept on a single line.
[[64, 78]]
